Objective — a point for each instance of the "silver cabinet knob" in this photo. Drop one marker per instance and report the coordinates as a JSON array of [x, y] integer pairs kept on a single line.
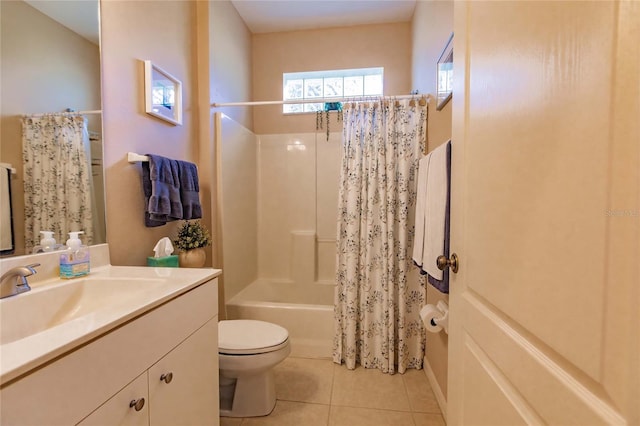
[[167, 377], [137, 404], [442, 262]]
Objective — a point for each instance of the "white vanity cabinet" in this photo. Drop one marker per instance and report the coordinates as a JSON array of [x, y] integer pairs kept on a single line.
[[177, 390], [95, 383]]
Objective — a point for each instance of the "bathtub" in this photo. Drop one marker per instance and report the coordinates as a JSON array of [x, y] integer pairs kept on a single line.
[[306, 310]]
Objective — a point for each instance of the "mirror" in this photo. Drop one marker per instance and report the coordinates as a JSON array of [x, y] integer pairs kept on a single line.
[[50, 61], [163, 94]]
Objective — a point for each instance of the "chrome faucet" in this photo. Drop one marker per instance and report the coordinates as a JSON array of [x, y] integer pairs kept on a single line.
[[14, 281]]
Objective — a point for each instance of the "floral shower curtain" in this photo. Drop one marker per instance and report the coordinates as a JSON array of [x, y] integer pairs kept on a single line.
[[378, 292], [57, 177]]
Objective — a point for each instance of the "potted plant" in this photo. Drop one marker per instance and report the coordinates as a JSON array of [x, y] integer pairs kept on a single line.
[[192, 238]]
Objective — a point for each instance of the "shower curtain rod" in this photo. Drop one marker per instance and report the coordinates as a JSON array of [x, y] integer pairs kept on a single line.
[[319, 100], [42, 114]]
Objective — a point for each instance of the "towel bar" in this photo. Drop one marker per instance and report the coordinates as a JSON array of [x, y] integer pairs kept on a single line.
[[9, 167], [132, 157]]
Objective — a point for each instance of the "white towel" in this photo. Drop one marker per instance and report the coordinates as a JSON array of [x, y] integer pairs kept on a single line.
[[418, 242], [430, 214], [435, 211]]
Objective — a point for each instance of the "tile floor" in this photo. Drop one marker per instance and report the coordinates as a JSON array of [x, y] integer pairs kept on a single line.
[[314, 392]]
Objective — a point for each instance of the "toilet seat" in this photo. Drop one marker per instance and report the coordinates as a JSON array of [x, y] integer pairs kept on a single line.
[[249, 337]]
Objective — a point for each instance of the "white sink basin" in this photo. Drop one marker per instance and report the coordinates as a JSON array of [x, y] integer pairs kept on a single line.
[[58, 316], [44, 308]]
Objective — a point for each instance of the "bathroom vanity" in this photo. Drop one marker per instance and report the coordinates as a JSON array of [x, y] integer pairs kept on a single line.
[[126, 345]]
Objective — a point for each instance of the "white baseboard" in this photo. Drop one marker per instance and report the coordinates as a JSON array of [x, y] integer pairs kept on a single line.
[[437, 391]]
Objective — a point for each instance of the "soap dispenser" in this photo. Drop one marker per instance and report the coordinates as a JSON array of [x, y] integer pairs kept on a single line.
[[74, 262], [47, 243]]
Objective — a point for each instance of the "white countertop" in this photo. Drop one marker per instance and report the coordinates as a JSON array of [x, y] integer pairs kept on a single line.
[[20, 356]]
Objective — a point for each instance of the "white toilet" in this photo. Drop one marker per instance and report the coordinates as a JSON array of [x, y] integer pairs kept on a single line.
[[248, 352]]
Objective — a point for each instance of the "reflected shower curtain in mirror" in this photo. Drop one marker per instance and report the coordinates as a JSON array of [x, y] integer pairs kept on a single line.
[[57, 177], [378, 292]]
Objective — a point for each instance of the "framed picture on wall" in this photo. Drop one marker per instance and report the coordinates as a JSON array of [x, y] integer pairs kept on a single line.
[[163, 94], [444, 81]]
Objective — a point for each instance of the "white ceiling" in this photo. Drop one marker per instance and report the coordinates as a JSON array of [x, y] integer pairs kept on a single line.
[[263, 16], [80, 16]]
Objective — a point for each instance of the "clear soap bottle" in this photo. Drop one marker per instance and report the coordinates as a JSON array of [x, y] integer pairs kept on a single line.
[[47, 243], [74, 261]]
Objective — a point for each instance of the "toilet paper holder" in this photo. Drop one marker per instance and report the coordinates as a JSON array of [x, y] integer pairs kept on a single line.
[[436, 318], [443, 321]]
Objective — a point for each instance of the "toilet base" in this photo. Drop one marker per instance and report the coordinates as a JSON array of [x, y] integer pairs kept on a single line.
[[252, 396]]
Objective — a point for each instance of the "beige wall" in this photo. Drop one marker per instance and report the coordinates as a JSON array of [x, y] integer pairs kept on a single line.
[[431, 28], [230, 57], [225, 76], [385, 45], [207, 47], [45, 68], [130, 34]]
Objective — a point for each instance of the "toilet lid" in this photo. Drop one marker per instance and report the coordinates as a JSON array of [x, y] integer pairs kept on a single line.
[[250, 337]]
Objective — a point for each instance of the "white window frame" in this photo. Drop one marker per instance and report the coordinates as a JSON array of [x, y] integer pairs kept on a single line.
[[303, 82]]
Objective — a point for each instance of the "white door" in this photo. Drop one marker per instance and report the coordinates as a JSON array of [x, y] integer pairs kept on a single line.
[[545, 214]]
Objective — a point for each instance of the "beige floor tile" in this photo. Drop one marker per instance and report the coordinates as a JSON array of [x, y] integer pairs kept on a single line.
[[421, 396], [289, 413], [230, 421], [304, 380], [350, 416], [425, 419], [368, 388]]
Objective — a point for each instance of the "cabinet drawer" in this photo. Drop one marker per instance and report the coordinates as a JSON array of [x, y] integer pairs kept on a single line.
[[69, 388]]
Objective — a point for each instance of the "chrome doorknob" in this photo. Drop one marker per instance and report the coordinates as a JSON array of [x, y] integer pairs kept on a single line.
[[442, 262]]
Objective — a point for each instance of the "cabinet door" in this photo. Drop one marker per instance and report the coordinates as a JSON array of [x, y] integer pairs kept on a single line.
[[183, 385], [118, 410]]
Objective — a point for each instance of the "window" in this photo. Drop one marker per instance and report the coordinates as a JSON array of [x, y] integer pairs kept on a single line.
[[329, 84]]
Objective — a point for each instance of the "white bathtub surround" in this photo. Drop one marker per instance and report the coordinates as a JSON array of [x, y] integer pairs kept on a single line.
[[303, 256], [306, 311], [378, 301], [297, 206], [237, 165], [295, 211]]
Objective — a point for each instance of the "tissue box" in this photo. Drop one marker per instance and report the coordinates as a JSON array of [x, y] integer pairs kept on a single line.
[[170, 261]]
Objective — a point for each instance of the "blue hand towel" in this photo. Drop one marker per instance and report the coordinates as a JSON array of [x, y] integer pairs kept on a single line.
[[189, 188], [161, 185]]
